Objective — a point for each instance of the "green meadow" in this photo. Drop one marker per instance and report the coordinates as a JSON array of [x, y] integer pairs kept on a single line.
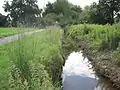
[[4, 32], [33, 62]]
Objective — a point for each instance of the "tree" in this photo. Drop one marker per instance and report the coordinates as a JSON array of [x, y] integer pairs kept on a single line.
[[3, 20], [85, 15], [96, 15], [110, 9], [93, 14], [75, 13], [50, 8], [50, 19], [65, 13], [22, 11]]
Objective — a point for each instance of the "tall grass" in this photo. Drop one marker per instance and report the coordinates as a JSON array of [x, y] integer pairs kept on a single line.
[[102, 37], [35, 62]]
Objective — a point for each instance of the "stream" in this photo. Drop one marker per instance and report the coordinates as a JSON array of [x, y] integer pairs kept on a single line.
[[78, 74]]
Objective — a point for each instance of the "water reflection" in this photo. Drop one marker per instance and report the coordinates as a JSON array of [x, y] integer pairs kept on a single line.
[[79, 75], [79, 83]]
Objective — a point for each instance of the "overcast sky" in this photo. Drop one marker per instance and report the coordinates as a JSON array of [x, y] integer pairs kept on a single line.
[[41, 3]]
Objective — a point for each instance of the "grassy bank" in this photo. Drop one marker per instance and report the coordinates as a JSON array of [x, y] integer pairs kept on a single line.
[[4, 32], [32, 63], [101, 44]]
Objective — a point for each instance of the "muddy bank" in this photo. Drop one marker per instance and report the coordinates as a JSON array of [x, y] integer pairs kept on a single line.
[[102, 61]]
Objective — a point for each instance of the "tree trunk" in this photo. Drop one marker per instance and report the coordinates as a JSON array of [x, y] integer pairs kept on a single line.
[[112, 18]]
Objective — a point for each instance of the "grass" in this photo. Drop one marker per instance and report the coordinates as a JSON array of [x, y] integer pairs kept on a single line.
[[11, 31], [32, 63], [101, 37]]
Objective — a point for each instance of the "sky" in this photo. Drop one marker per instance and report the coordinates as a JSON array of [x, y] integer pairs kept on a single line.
[[42, 3]]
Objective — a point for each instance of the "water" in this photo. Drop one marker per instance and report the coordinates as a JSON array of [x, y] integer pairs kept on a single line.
[[79, 75]]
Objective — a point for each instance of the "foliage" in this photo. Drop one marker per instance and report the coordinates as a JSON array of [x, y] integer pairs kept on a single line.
[[22, 11], [93, 15], [65, 13], [101, 37], [110, 8], [4, 32], [62, 13], [99, 41], [50, 19], [7, 31], [97, 13], [3, 20], [34, 62], [101, 13]]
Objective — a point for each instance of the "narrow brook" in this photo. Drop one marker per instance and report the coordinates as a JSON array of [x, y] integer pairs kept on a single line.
[[79, 75]]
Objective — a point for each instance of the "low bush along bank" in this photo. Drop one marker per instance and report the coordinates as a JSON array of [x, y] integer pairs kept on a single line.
[[101, 44], [32, 63]]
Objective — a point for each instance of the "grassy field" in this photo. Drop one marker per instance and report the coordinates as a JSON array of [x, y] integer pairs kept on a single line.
[[11, 31], [32, 63]]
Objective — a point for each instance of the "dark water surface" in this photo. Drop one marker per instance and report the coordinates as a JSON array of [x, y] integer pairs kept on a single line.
[[79, 75]]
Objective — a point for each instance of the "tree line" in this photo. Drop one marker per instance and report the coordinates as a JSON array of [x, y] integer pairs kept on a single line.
[[61, 12]]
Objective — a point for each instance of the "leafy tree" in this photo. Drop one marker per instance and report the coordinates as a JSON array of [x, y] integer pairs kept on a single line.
[[110, 8], [96, 15], [22, 11], [50, 19], [93, 14], [75, 13], [3, 20], [85, 15], [50, 8], [65, 12]]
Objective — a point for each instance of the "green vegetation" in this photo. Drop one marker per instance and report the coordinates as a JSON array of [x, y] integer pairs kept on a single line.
[[35, 61], [101, 37], [11, 31], [3, 20], [100, 44], [22, 12], [61, 12], [8, 31], [98, 37], [32, 63]]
